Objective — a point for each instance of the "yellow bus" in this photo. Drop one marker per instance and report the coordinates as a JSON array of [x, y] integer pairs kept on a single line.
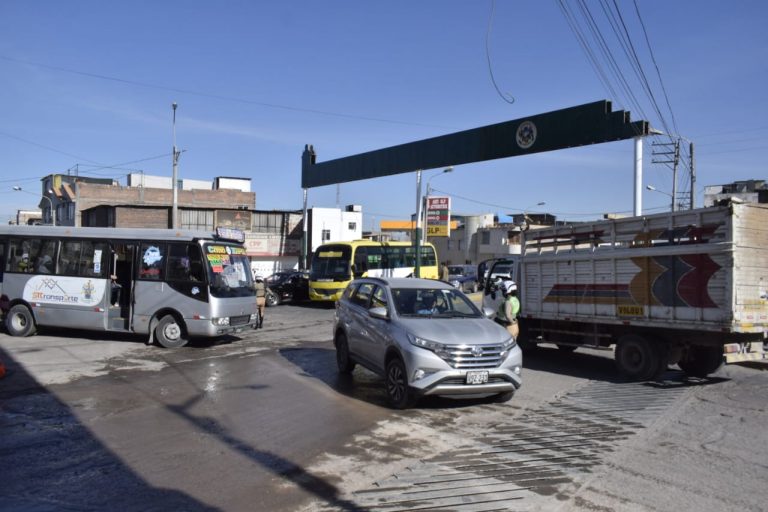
[[335, 264]]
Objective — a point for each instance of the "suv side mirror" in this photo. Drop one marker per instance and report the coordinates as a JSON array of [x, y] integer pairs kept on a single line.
[[379, 312]]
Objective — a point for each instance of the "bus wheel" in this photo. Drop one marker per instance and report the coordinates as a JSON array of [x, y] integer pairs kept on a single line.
[[19, 321], [170, 333]]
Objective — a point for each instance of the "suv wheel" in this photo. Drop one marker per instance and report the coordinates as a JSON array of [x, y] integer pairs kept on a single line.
[[399, 393], [343, 361]]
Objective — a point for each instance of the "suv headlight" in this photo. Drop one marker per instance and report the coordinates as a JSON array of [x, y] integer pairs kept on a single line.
[[506, 346], [438, 348]]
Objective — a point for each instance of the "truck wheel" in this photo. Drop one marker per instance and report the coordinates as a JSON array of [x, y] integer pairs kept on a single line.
[[701, 361], [19, 321], [169, 333], [635, 357]]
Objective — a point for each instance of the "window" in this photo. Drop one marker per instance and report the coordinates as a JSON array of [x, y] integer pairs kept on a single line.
[[352, 226], [379, 299], [69, 258], [263, 222], [152, 261], [362, 295], [196, 219], [92, 259], [485, 237], [326, 235], [31, 255], [184, 263]]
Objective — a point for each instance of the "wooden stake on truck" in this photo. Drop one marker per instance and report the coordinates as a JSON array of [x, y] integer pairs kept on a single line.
[[687, 288]]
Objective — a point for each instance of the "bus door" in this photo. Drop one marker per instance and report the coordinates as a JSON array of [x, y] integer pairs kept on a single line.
[[122, 268]]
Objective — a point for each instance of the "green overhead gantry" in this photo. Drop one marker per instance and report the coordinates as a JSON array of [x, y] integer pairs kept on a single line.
[[592, 123]]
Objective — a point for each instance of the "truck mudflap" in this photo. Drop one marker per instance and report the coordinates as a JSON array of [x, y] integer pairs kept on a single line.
[[742, 352]]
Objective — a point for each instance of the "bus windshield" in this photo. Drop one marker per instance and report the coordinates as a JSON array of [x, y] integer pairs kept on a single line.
[[229, 270], [331, 263]]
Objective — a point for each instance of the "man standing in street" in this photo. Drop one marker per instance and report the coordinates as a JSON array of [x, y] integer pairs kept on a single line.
[[444, 272], [509, 308]]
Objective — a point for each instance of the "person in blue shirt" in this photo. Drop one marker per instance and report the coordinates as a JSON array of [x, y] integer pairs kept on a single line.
[[427, 306]]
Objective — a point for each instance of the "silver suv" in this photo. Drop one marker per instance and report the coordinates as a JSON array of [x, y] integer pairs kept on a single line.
[[424, 337]]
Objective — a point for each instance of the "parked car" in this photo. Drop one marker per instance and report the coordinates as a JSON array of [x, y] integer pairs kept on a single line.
[[287, 286], [424, 337], [463, 277]]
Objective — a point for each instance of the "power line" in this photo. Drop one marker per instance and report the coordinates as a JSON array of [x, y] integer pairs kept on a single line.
[[221, 96], [488, 56], [508, 208], [48, 148]]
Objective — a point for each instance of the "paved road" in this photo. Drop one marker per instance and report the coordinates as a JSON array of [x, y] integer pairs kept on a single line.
[[263, 422]]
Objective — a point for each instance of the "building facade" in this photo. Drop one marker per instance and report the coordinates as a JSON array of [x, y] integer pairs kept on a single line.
[[750, 191], [273, 237]]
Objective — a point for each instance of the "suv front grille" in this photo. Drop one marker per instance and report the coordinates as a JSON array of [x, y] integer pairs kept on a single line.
[[471, 357]]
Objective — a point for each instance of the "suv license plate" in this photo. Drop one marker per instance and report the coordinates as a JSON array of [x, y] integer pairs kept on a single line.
[[477, 377]]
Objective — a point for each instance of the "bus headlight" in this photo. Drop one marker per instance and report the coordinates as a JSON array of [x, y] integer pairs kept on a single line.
[[220, 322]]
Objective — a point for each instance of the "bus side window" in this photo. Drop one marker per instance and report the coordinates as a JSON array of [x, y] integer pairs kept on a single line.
[[93, 259], [361, 261], [196, 272], [2, 259], [20, 261], [152, 261], [69, 256], [184, 262]]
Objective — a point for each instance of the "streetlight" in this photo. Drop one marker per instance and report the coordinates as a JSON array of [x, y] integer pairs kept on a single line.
[[50, 202], [526, 225], [654, 189], [429, 191]]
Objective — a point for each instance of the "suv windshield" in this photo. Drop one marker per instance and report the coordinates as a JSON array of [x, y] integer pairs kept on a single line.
[[437, 302], [229, 270]]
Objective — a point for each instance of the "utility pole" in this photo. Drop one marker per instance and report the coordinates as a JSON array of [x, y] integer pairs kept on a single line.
[[671, 157], [175, 178], [693, 178]]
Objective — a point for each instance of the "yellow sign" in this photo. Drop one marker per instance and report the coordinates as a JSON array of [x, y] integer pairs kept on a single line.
[[437, 230], [631, 310]]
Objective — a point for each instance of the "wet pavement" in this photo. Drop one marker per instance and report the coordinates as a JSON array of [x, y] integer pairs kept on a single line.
[[264, 422]]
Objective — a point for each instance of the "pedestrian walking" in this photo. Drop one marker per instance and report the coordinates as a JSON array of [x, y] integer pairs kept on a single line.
[[261, 298]]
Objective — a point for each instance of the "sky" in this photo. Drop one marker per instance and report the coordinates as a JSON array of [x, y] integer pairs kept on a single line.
[[87, 87]]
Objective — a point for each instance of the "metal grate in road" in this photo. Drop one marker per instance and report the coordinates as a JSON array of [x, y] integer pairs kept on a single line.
[[537, 454]]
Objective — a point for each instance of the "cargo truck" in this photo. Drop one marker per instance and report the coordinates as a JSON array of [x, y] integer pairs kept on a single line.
[[687, 288]]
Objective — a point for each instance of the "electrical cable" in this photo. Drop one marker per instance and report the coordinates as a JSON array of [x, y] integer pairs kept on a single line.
[[221, 96], [488, 56]]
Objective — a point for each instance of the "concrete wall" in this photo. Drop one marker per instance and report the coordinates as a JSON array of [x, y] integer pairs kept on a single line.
[[337, 222], [91, 195]]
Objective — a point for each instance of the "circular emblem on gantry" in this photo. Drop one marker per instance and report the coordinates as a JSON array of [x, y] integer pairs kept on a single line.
[[526, 134]]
